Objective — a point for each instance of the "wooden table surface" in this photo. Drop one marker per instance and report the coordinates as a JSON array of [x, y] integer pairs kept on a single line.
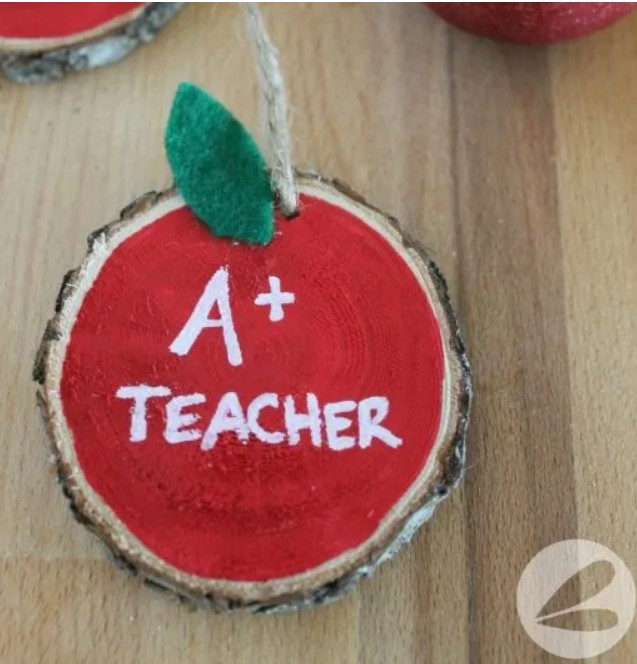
[[516, 166]]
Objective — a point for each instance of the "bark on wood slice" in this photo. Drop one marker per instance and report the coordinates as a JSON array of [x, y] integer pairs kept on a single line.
[[48, 58], [255, 525]]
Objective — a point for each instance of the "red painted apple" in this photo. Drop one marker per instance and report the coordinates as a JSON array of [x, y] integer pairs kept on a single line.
[[256, 422], [532, 22], [253, 423]]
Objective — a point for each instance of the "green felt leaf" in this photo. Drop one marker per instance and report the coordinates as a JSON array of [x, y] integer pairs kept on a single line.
[[218, 167]]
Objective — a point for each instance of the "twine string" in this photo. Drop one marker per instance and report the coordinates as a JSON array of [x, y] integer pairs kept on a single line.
[[274, 94]]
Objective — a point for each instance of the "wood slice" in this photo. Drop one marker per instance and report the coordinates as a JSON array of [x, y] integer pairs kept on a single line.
[[41, 43], [308, 399]]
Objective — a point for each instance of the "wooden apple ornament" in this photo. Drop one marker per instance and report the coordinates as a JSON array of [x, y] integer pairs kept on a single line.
[[532, 22], [253, 426], [42, 41]]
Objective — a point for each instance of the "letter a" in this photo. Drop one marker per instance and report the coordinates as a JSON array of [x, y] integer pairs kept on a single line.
[[215, 292]]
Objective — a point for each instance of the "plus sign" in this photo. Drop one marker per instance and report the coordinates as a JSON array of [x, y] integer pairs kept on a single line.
[[275, 299]]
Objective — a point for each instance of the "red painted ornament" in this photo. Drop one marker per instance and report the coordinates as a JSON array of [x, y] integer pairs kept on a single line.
[[55, 20], [255, 426], [42, 41], [532, 22]]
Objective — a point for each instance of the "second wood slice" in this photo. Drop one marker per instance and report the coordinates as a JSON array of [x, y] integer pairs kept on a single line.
[[41, 42]]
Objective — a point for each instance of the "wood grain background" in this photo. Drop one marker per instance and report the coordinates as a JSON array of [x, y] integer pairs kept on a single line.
[[516, 166]]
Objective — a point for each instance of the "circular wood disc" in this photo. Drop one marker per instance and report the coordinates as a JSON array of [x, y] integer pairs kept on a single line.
[[255, 427], [43, 41]]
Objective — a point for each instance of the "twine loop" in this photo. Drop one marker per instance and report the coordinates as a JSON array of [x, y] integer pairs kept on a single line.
[[276, 108]]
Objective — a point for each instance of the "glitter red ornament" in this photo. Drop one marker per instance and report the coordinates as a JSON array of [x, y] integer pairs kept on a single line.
[[532, 22]]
